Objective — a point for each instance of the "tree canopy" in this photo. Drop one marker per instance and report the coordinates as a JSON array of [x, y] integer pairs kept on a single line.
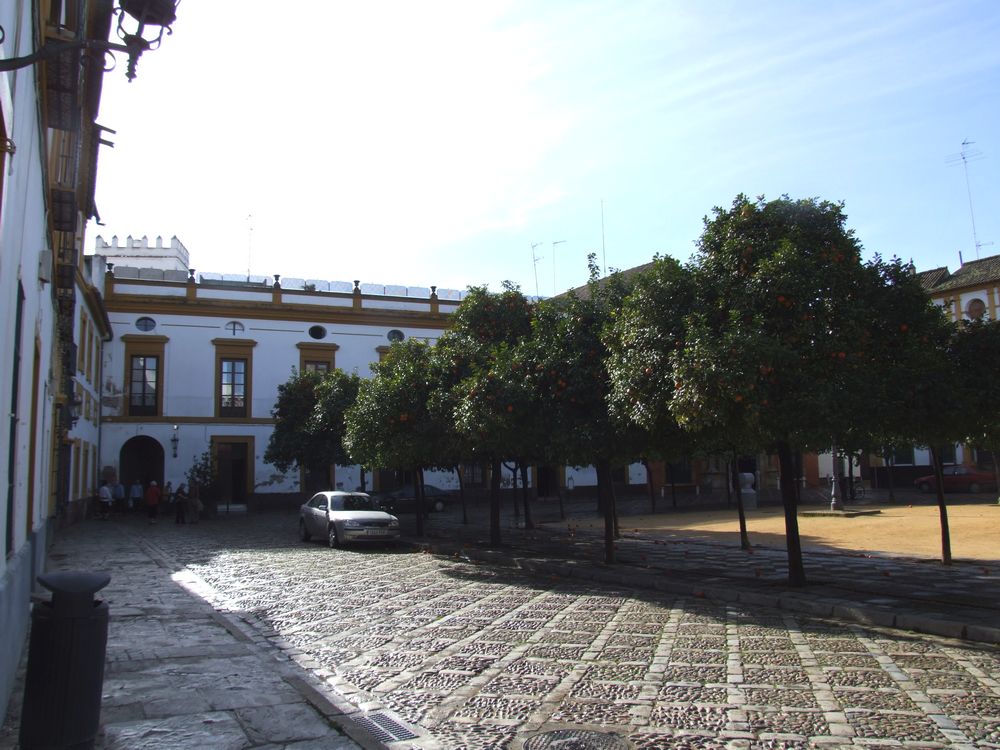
[[309, 420]]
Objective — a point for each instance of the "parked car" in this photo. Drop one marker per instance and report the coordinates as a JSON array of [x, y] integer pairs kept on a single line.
[[404, 499], [958, 479], [341, 517]]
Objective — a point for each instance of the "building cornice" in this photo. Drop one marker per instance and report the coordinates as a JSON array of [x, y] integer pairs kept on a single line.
[[208, 420], [284, 311]]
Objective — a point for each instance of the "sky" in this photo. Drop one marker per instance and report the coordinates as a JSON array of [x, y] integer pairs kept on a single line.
[[457, 143]]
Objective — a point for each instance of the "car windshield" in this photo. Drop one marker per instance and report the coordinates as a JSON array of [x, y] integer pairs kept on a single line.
[[358, 502]]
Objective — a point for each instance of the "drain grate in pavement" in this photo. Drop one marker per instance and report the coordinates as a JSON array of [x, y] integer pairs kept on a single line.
[[384, 728], [576, 739]]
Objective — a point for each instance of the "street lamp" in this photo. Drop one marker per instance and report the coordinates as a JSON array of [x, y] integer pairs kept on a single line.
[[174, 440], [157, 15]]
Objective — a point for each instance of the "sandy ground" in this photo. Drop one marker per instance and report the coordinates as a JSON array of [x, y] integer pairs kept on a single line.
[[913, 531]]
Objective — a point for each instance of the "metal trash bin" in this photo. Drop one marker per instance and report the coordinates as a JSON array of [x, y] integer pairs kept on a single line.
[[65, 675]]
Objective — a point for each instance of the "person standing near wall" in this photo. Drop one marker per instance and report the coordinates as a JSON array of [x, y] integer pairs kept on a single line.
[[152, 501], [181, 504], [104, 500], [118, 493], [194, 503], [135, 495]]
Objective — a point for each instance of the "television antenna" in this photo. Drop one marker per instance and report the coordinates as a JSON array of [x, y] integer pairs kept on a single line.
[[965, 156], [534, 263], [249, 243]]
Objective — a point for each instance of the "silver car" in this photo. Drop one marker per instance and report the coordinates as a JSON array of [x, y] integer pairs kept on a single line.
[[341, 517]]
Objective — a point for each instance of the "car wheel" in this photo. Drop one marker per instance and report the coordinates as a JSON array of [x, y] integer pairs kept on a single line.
[[439, 505], [303, 531], [974, 487], [332, 539], [924, 487]]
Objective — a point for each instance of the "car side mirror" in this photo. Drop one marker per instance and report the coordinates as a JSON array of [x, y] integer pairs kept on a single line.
[[322, 506]]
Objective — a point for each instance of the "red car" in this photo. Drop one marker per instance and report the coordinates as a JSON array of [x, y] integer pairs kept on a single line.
[[958, 479]]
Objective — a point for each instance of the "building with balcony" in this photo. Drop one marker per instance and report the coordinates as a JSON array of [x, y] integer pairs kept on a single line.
[[52, 321]]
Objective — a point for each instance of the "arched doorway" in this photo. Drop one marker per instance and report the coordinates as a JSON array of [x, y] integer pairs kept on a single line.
[[140, 458]]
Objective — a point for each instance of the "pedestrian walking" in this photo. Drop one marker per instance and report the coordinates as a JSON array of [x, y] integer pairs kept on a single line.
[[135, 495], [181, 504], [153, 501], [118, 493], [194, 503], [168, 495], [104, 500]]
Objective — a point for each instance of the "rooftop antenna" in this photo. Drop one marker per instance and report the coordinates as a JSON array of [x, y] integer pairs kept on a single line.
[[965, 156], [534, 262], [557, 242], [249, 242]]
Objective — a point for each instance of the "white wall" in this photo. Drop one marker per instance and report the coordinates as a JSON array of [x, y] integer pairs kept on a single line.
[[23, 237], [188, 382]]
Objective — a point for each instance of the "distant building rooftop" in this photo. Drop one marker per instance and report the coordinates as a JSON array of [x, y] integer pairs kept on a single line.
[[973, 273]]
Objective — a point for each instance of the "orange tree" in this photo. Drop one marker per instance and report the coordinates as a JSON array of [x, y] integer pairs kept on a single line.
[[390, 424], [779, 349], [949, 396], [309, 421], [645, 333], [569, 374], [976, 355], [918, 392], [490, 406], [646, 336]]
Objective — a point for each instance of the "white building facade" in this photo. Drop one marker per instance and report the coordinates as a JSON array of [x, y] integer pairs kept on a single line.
[[195, 361]]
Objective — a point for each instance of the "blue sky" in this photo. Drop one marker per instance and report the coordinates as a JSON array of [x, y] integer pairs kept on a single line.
[[435, 143]]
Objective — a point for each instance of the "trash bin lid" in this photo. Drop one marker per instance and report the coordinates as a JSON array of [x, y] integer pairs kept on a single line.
[[74, 589]]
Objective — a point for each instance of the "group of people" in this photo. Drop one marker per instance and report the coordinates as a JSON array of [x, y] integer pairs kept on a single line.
[[186, 505]]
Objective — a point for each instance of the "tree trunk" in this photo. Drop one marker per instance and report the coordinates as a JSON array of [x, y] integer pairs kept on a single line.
[[850, 476], [513, 484], [418, 492], [942, 507], [495, 503], [364, 483], [796, 569], [607, 503], [673, 486], [888, 475], [649, 487], [730, 476], [735, 478], [461, 495], [614, 509], [996, 471], [798, 478], [528, 522]]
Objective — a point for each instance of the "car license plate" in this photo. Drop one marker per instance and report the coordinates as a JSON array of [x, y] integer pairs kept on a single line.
[[377, 532]]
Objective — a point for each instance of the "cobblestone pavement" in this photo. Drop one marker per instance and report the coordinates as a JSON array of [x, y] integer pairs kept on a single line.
[[960, 600], [178, 676], [472, 656]]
